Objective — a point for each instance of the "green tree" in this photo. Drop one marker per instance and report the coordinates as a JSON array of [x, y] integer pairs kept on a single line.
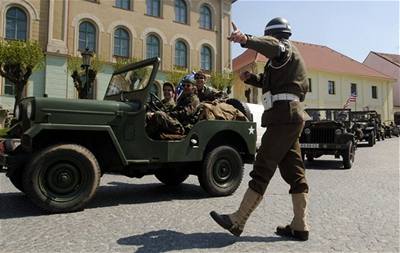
[[176, 74], [222, 81], [18, 59], [79, 76]]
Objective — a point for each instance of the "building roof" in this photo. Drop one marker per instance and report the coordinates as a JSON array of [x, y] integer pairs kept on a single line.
[[316, 57], [392, 58]]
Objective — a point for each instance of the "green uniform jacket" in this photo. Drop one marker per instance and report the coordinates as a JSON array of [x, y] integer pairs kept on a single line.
[[210, 94], [168, 104], [186, 108]]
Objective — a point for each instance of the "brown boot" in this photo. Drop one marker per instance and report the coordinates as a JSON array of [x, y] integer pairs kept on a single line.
[[298, 229], [235, 222]]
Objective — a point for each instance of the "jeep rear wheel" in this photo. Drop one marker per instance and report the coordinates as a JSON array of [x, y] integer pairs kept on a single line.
[[62, 178], [221, 172], [348, 155], [171, 177]]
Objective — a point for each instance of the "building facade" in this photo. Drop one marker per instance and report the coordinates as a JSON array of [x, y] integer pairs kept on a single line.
[[388, 64], [185, 33], [332, 78]]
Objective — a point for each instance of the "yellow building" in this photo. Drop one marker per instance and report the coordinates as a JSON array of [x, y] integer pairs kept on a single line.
[[333, 77], [185, 33]]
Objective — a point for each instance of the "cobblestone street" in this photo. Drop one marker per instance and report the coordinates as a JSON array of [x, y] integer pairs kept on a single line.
[[354, 210]]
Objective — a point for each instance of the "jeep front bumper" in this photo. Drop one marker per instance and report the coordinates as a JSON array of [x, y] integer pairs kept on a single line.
[[322, 146]]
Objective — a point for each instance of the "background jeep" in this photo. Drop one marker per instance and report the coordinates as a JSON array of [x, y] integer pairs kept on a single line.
[[60, 148], [370, 124], [327, 133]]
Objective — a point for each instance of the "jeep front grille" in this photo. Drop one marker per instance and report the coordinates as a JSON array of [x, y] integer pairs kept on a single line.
[[319, 135]]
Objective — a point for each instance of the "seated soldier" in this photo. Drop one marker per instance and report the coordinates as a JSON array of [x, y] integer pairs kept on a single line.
[[169, 96], [204, 92], [177, 121]]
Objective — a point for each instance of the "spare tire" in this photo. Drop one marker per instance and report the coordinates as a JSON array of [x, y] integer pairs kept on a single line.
[[243, 107]]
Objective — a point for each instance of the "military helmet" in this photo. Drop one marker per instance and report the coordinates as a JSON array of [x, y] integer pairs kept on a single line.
[[278, 26]]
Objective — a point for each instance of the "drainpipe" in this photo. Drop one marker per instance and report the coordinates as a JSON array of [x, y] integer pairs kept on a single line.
[[221, 34]]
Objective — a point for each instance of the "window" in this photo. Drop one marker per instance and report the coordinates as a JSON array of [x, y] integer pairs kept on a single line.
[[123, 4], [180, 54], [154, 8], [8, 88], [374, 92], [353, 89], [152, 46], [180, 11], [87, 36], [121, 42], [206, 58], [205, 17], [16, 24], [309, 85], [331, 87]]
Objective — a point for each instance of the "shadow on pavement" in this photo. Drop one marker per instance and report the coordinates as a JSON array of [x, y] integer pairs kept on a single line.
[[17, 205], [168, 240], [324, 165]]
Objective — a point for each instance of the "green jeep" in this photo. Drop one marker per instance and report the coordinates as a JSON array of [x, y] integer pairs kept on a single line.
[[59, 148]]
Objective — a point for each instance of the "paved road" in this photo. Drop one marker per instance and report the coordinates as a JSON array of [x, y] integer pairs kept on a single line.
[[353, 210]]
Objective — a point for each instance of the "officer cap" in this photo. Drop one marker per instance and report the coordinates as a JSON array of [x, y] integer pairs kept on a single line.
[[188, 80], [278, 26]]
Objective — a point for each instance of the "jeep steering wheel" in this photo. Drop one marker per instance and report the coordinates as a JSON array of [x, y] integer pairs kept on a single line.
[[154, 103]]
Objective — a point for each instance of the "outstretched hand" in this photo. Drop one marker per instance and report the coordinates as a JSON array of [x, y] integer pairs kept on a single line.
[[237, 36]]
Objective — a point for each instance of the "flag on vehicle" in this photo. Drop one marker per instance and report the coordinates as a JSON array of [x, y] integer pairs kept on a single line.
[[352, 98]]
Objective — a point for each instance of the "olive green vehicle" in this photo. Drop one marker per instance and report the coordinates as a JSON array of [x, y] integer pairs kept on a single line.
[[60, 148]]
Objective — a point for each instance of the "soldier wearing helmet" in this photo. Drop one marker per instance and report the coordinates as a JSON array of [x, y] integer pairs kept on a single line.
[[284, 85]]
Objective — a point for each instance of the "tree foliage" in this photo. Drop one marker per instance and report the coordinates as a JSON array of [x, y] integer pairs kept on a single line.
[[222, 81], [17, 61], [78, 74], [176, 74]]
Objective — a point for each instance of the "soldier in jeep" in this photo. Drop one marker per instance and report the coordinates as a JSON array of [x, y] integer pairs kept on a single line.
[[204, 92]]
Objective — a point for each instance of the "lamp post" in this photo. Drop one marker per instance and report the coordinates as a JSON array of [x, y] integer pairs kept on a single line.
[[86, 61]]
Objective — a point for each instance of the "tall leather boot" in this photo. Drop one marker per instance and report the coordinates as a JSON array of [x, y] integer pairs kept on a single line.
[[235, 222], [298, 228]]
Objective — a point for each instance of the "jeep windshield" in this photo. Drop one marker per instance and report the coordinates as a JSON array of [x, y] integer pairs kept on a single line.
[[329, 115], [129, 81], [361, 116]]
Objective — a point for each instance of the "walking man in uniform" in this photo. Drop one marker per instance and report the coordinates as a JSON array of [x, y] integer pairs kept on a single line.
[[284, 86]]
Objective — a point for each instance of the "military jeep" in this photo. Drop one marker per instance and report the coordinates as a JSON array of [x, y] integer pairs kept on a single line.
[[327, 133], [370, 125], [60, 148]]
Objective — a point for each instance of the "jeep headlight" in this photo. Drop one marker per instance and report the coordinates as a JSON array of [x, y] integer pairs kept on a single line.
[[18, 112], [29, 110], [307, 131], [338, 131]]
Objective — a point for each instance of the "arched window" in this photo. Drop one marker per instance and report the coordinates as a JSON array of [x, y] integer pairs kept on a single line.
[[87, 36], [16, 24], [152, 46], [181, 54], [153, 8], [121, 42], [180, 11], [205, 17], [206, 58]]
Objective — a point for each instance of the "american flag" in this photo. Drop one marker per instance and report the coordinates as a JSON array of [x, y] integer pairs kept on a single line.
[[352, 98]]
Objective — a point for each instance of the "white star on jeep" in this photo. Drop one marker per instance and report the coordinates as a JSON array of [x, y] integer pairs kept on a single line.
[[251, 130]]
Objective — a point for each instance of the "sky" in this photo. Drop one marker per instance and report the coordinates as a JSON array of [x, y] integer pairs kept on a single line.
[[353, 28]]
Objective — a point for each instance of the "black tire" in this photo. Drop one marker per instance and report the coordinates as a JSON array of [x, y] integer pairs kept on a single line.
[[16, 179], [310, 158], [62, 178], [348, 155], [371, 139], [221, 172], [171, 177], [243, 107]]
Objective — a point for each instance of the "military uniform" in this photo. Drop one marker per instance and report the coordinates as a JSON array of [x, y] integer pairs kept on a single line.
[[284, 85], [210, 94], [284, 73], [186, 109], [169, 104]]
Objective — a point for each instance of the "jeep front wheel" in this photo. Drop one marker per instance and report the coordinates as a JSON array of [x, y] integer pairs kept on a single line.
[[348, 155], [371, 139], [221, 172], [62, 178]]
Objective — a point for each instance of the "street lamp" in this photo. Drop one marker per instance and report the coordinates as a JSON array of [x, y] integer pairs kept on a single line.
[[86, 61]]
